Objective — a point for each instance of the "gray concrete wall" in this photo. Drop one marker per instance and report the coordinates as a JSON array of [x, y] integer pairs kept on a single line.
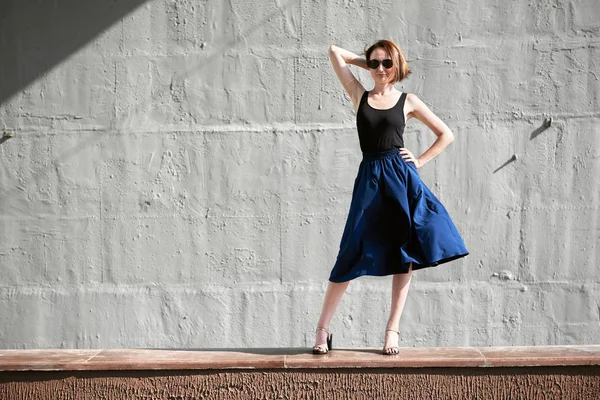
[[181, 171]]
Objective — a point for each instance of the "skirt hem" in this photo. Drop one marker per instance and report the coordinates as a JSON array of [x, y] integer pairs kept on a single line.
[[415, 267]]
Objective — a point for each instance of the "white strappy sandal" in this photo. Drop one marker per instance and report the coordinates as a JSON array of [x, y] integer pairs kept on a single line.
[[393, 350], [325, 347]]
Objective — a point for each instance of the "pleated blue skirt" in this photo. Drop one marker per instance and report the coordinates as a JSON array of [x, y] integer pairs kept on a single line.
[[394, 220]]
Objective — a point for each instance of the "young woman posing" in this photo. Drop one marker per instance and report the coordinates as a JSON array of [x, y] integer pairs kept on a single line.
[[395, 224]]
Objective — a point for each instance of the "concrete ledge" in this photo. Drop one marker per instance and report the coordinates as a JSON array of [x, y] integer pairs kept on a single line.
[[223, 359], [549, 372]]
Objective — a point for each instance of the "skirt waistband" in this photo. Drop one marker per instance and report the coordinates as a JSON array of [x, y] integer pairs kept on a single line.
[[381, 154]]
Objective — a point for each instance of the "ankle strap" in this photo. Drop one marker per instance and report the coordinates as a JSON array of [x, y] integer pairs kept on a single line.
[[393, 330], [322, 329]]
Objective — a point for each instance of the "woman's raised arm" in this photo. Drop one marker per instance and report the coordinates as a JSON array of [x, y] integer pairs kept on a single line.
[[340, 59]]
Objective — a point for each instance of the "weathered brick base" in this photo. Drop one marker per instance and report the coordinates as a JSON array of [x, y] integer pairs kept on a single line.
[[368, 383]]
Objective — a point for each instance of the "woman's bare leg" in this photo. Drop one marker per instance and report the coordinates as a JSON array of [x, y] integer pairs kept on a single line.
[[400, 286], [333, 296]]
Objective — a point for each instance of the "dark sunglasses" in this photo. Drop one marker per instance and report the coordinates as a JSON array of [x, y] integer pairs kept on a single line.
[[374, 64]]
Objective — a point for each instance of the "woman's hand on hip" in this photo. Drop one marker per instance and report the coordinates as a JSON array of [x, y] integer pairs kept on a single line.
[[408, 156]]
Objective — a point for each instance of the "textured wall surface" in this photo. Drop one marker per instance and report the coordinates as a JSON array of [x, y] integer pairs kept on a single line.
[[560, 383], [181, 171]]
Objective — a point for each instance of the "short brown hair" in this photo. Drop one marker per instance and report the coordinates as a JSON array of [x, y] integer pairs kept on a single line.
[[400, 66]]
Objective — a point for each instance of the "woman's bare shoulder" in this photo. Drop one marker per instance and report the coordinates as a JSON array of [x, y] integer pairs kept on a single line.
[[414, 106], [411, 97], [413, 101]]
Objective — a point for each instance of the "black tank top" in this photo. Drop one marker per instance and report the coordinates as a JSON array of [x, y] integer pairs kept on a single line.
[[380, 130]]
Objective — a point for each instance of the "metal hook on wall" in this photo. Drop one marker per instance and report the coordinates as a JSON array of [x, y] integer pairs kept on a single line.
[[6, 135]]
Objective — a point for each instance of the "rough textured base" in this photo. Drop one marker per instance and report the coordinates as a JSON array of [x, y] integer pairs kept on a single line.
[[427, 383]]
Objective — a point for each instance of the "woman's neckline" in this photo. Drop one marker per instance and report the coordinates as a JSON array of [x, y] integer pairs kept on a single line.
[[383, 109]]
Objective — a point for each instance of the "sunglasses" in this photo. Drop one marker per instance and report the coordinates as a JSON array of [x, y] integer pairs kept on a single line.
[[374, 64]]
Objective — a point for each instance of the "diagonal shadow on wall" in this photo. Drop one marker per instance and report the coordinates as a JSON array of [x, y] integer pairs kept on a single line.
[[35, 35]]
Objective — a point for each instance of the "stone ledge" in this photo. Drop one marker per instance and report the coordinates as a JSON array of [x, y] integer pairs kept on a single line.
[[219, 359]]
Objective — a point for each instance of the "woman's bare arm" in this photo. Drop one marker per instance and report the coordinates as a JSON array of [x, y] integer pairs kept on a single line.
[[340, 59], [419, 110]]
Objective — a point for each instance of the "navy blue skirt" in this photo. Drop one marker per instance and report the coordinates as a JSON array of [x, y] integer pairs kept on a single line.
[[394, 220]]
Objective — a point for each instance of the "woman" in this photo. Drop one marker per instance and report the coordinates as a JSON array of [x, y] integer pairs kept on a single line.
[[395, 224]]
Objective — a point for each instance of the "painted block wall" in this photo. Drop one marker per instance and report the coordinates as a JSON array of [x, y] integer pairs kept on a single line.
[[180, 171]]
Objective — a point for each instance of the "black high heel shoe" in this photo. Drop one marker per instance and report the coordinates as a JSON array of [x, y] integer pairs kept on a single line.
[[323, 348]]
